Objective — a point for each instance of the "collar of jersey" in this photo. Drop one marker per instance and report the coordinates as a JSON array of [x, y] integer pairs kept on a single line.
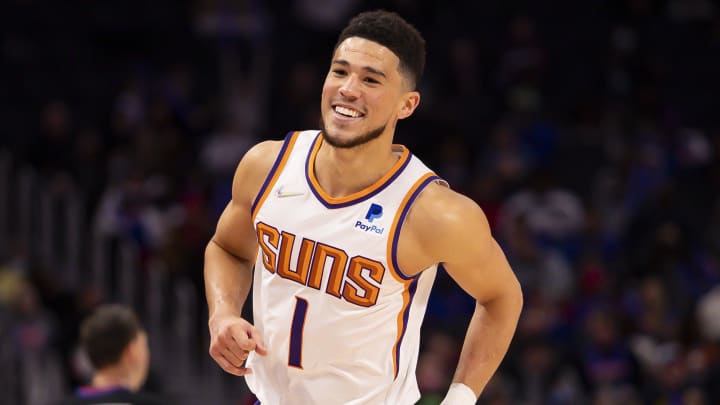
[[362, 195], [89, 391]]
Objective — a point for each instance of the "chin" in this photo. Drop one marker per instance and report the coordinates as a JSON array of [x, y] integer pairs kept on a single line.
[[346, 138], [339, 140], [340, 134]]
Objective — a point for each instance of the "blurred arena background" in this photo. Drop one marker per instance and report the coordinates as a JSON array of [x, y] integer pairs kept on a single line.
[[589, 132]]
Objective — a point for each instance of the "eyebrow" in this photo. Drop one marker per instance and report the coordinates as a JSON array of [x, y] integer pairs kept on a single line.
[[365, 68]]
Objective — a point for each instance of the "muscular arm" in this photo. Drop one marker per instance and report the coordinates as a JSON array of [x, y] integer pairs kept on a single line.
[[493, 322], [228, 268], [461, 240], [229, 258]]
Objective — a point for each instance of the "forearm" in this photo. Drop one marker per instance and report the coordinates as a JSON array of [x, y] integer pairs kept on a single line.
[[487, 340], [227, 280]]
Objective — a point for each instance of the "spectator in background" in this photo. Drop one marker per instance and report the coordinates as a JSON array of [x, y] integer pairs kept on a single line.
[[117, 347], [32, 370]]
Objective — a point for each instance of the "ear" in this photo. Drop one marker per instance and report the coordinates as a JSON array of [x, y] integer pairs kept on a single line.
[[409, 102], [130, 351]]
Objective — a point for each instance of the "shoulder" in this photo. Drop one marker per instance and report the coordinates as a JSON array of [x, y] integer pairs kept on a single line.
[[259, 161], [442, 218], [254, 168], [260, 158], [443, 209]]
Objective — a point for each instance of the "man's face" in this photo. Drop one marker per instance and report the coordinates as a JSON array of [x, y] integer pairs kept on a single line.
[[364, 93]]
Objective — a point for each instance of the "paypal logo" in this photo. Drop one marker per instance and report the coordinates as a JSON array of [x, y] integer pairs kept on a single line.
[[369, 228], [374, 212]]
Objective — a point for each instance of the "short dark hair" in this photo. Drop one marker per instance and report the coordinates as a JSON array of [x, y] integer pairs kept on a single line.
[[107, 332], [393, 32]]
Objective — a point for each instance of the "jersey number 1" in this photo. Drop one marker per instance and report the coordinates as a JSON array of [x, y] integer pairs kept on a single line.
[[296, 333]]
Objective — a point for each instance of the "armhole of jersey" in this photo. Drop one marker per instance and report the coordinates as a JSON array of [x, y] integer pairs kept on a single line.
[[402, 212], [275, 171]]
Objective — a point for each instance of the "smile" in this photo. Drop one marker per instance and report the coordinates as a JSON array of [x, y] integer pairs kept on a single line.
[[347, 112]]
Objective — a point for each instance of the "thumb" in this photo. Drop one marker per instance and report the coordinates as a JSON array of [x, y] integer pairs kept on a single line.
[[259, 342]]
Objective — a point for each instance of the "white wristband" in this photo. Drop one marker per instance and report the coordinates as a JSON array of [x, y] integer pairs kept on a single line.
[[459, 394]]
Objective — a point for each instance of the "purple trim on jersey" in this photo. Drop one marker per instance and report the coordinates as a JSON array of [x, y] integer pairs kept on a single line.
[[257, 402], [406, 315], [371, 194], [91, 392], [404, 213], [270, 175]]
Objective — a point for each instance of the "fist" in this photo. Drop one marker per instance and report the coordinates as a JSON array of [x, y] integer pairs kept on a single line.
[[231, 341]]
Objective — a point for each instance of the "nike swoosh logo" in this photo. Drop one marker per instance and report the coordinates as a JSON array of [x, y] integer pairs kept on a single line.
[[283, 194], [289, 194]]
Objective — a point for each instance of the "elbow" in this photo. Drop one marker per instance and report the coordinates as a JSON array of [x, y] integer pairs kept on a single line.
[[511, 300], [210, 247], [518, 293], [507, 302], [515, 295]]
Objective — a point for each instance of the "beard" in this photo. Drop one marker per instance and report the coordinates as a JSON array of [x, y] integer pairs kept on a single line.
[[350, 143]]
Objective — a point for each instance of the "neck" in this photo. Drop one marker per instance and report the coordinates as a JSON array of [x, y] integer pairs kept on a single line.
[[113, 377], [342, 172]]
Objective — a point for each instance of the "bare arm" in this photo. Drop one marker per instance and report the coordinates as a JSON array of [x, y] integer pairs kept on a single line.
[[229, 257], [228, 275], [463, 243], [492, 325]]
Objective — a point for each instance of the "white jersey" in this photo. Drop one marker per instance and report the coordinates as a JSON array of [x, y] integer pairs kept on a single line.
[[340, 320]]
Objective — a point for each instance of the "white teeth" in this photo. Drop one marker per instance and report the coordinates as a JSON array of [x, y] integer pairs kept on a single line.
[[346, 111]]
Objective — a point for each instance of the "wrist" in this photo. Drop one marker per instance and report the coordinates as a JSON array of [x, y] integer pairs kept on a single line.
[[219, 314], [459, 394]]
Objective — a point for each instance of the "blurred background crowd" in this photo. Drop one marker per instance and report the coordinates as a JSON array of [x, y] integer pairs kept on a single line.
[[588, 131]]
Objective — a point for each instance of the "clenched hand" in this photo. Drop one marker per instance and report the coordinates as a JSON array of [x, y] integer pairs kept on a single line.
[[231, 341]]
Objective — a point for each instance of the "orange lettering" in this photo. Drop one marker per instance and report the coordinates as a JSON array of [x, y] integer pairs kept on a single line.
[[273, 236], [371, 291], [287, 241]]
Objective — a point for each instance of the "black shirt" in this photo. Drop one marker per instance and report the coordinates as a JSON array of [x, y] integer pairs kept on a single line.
[[112, 395]]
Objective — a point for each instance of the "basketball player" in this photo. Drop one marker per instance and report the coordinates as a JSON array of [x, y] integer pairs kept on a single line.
[[345, 231], [117, 347]]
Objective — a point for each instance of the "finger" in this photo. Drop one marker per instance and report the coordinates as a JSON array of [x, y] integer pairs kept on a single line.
[[223, 355], [235, 339], [234, 347], [234, 359], [230, 368], [239, 334], [243, 341], [259, 342]]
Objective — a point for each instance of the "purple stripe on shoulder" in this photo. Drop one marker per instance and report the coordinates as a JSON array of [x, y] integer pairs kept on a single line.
[[274, 168], [404, 213]]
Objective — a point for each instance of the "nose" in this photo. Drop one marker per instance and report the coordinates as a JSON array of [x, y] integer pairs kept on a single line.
[[349, 88]]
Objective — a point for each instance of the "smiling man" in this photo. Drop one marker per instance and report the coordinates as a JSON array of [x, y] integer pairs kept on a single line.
[[341, 232]]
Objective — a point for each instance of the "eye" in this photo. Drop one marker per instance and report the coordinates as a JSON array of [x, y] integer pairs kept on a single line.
[[371, 80], [339, 72]]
